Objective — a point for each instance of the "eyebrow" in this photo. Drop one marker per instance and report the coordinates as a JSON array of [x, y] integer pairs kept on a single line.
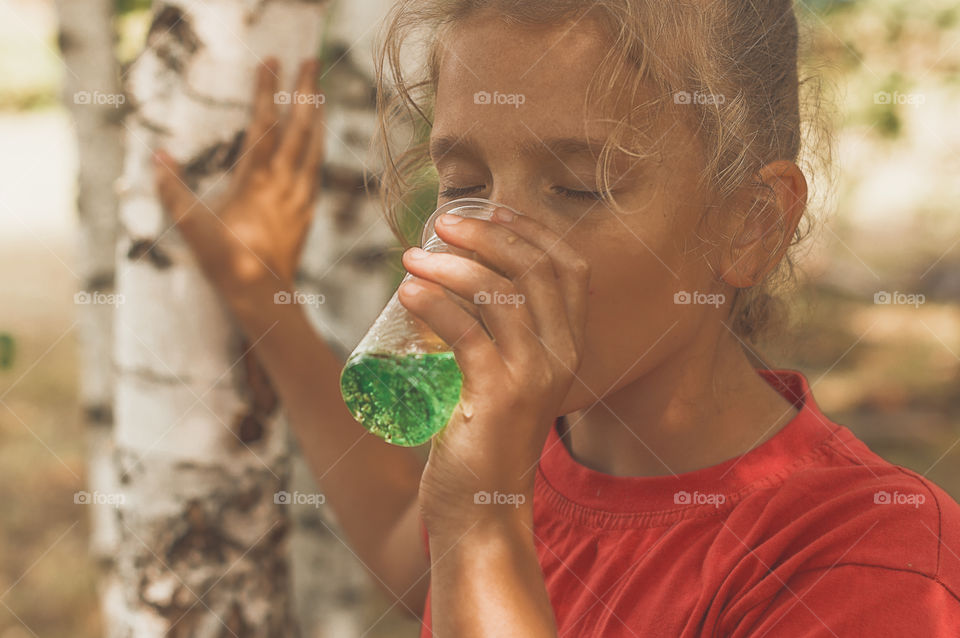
[[465, 146]]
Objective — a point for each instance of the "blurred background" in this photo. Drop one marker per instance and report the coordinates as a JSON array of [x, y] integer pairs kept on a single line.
[[877, 329]]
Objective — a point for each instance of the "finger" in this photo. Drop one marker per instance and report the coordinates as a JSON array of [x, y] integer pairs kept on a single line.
[[572, 269], [532, 269], [500, 306], [526, 266], [175, 196], [307, 180], [464, 334], [260, 139], [303, 112]]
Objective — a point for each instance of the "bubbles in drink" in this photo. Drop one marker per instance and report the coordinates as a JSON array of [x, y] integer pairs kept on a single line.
[[404, 399]]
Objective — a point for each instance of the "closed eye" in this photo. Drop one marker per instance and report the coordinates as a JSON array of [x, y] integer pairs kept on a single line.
[[575, 194], [454, 193]]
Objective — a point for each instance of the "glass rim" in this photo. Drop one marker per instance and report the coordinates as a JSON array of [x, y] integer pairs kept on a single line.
[[477, 203]]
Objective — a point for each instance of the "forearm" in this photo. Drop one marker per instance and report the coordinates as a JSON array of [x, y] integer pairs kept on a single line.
[[370, 484], [487, 583]]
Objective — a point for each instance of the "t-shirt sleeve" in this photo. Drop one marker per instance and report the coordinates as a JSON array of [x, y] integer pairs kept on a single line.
[[849, 601]]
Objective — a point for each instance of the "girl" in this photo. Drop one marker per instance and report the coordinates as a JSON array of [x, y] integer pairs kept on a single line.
[[617, 465]]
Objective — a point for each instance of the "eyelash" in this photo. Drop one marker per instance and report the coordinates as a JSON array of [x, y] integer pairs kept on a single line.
[[581, 195], [453, 193], [559, 190]]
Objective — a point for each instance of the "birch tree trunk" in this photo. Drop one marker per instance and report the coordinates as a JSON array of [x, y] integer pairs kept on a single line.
[[202, 455], [350, 263], [93, 96], [201, 452]]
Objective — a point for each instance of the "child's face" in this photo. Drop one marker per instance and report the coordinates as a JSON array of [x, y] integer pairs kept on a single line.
[[526, 155]]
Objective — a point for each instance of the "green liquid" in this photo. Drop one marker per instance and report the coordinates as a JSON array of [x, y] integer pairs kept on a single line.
[[406, 399]]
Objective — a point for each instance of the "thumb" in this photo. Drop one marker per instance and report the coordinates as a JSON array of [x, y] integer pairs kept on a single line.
[[175, 196]]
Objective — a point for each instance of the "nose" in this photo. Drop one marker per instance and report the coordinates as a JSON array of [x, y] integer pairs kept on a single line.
[[512, 201]]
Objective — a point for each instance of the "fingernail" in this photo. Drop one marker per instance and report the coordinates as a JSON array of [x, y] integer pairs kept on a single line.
[[417, 253], [503, 215], [412, 288], [449, 220]]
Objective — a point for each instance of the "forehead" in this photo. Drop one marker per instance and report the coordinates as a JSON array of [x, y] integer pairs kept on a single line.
[[519, 80], [487, 41]]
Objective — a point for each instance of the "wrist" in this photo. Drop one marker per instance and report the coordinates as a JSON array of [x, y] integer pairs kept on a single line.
[[479, 524], [256, 298], [260, 306]]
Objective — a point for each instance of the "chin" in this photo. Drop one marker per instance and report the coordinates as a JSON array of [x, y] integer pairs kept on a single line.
[[580, 396]]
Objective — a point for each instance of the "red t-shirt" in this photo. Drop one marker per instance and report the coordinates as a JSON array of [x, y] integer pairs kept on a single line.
[[808, 535]]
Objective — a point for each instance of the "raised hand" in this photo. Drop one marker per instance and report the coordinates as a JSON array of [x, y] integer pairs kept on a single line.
[[254, 234]]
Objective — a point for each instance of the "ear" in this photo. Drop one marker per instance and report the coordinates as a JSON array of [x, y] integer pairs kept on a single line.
[[762, 233]]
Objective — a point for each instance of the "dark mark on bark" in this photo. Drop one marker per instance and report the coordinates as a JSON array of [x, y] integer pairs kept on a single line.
[[98, 414], [65, 41], [214, 159], [348, 181], [249, 429], [103, 281], [172, 37], [262, 398], [200, 543], [148, 247]]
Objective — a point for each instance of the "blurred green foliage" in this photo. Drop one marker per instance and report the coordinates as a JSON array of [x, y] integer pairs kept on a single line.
[[7, 350], [127, 6]]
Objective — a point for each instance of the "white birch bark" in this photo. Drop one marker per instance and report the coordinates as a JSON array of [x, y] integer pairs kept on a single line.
[[86, 38], [201, 452], [347, 264], [93, 96]]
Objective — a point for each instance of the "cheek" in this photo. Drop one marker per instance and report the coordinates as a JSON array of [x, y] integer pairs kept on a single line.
[[629, 299], [631, 308]]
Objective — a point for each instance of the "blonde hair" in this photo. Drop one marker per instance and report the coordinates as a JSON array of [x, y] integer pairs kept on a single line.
[[741, 54]]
